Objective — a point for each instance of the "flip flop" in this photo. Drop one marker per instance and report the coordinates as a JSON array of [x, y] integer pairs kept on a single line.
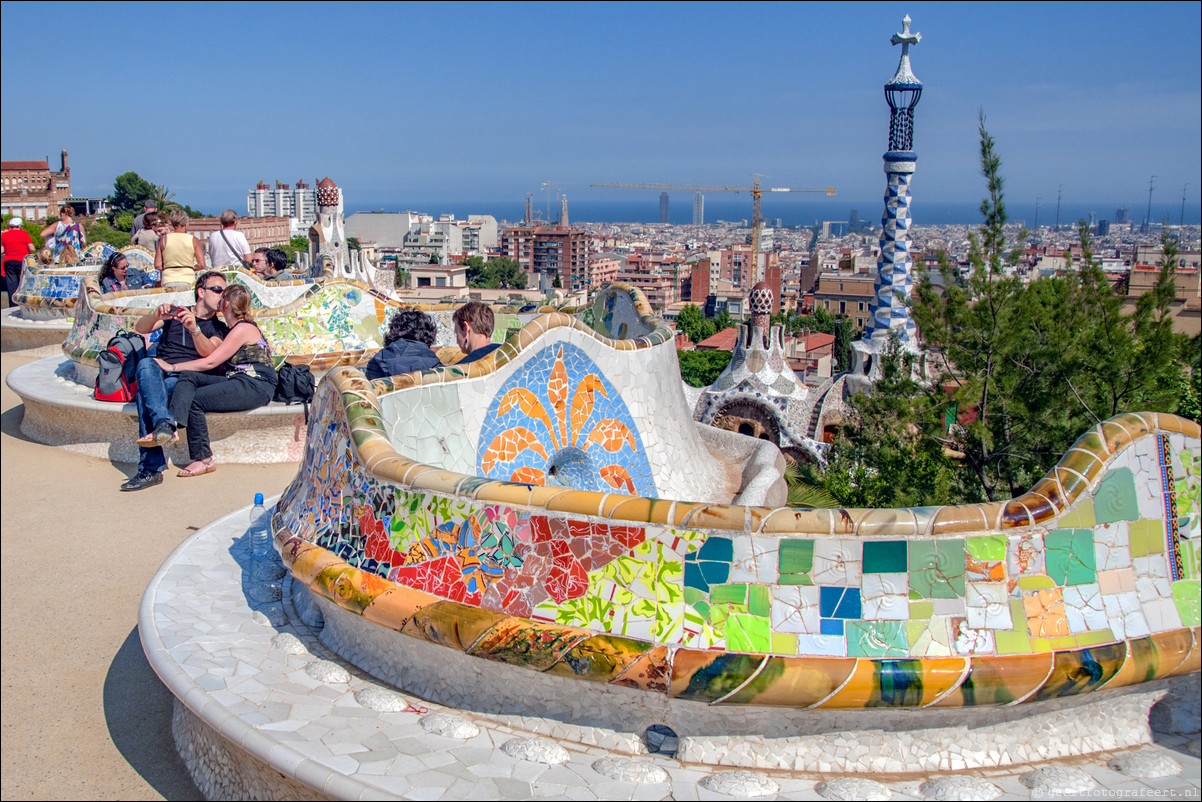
[[209, 467]]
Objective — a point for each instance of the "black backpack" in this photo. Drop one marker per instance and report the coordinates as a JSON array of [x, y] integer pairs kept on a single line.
[[295, 385], [116, 379]]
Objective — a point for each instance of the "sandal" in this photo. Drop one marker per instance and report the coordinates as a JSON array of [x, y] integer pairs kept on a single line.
[[206, 466], [163, 435]]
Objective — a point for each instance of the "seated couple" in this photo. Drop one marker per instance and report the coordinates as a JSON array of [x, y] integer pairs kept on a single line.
[[409, 343], [202, 365]]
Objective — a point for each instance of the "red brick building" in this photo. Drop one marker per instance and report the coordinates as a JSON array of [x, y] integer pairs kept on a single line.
[[30, 189]]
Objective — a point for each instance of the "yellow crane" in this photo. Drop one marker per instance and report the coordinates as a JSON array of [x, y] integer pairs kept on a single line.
[[755, 189]]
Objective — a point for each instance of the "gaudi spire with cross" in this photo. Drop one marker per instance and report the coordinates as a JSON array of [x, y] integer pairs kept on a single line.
[[889, 317]]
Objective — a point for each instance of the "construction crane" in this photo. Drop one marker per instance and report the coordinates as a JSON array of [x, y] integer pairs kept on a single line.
[[755, 189]]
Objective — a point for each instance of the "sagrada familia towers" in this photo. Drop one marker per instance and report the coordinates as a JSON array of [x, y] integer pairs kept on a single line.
[[890, 318]]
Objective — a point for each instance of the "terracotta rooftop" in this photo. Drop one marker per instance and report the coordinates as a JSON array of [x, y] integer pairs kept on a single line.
[[25, 165], [722, 341]]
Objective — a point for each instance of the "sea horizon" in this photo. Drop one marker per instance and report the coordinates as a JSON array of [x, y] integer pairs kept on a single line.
[[794, 213]]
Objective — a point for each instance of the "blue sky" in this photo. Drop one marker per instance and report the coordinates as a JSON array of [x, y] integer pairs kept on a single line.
[[411, 103]]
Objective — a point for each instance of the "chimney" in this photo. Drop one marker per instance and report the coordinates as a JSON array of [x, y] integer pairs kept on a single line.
[[64, 160]]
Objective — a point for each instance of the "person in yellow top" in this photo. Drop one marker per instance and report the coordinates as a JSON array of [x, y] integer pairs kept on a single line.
[[179, 256]]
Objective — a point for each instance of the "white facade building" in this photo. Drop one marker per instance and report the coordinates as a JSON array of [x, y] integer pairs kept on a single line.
[[298, 203]]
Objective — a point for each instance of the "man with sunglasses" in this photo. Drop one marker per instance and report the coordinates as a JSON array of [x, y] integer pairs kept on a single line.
[[186, 334]]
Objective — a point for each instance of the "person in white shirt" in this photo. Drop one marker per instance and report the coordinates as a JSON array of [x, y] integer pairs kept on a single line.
[[229, 246]]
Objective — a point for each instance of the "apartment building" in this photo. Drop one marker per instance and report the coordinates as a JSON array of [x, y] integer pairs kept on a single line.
[[30, 189], [846, 294], [296, 202]]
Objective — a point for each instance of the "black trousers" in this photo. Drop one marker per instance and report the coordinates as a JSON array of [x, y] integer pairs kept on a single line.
[[198, 393], [12, 277]]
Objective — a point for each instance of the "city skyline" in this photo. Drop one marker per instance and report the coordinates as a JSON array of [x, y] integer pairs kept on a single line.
[[404, 105]]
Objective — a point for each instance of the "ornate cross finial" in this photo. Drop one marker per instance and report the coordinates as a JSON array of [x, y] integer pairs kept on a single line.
[[905, 38]]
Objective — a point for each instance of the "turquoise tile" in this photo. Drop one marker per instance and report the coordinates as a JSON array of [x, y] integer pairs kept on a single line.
[[1069, 556], [876, 639], [885, 557]]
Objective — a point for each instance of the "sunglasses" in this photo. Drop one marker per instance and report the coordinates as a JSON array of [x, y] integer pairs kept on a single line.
[[214, 289]]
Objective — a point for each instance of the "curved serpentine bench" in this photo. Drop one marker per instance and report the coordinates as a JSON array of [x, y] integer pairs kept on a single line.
[[44, 303], [542, 534]]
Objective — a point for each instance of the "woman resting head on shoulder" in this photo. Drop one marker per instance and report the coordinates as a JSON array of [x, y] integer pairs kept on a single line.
[[248, 383]]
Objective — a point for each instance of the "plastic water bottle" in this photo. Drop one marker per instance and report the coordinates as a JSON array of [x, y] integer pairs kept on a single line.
[[260, 532]]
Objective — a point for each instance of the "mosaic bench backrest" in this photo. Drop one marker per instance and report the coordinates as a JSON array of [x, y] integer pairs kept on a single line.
[[1088, 581], [322, 324], [559, 404], [45, 293]]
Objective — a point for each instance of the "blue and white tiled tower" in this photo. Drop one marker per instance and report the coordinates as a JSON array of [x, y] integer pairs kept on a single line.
[[889, 316]]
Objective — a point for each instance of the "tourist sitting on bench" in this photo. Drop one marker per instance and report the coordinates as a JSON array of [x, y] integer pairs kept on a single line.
[[246, 382], [186, 334], [407, 346], [117, 275], [473, 331]]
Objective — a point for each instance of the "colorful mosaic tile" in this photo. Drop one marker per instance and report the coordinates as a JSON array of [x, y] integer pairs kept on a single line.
[[937, 568], [1115, 498], [1070, 556], [885, 557], [711, 614]]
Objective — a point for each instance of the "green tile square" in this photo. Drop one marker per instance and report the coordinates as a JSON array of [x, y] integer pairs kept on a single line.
[[1115, 500], [748, 633], [885, 557], [784, 643], [796, 556], [1057, 545], [936, 568], [876, 639], [1012, 642], [1080, 516], [1098, 637], [1185, 596], [1146, 536], [914, 631], [921, 610], [795, 579], [991, 547], [693, 596], [735, 593], [1082, 568], [759, 600]]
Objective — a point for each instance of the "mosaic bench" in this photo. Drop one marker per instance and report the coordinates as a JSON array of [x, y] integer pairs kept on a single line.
[[538, 535], [322, 324], [44, 303]]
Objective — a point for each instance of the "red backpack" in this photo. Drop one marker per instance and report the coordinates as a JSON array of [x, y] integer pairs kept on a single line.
[[117, 363]]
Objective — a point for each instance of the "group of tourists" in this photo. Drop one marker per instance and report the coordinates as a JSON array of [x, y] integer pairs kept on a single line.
[[206, 363]]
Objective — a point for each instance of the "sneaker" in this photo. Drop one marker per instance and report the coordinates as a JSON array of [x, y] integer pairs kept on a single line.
[[143, 480], [165, 435]]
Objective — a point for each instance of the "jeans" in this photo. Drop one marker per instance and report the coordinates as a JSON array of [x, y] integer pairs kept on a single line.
[[154, 390], [198, 393]]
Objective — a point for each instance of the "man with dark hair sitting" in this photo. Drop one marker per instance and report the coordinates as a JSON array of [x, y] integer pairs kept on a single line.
[[186, 334], [407, 346], [271, 264], [473, 331]]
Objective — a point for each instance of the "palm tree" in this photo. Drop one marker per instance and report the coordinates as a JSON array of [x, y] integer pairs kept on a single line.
[[163, 198]]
